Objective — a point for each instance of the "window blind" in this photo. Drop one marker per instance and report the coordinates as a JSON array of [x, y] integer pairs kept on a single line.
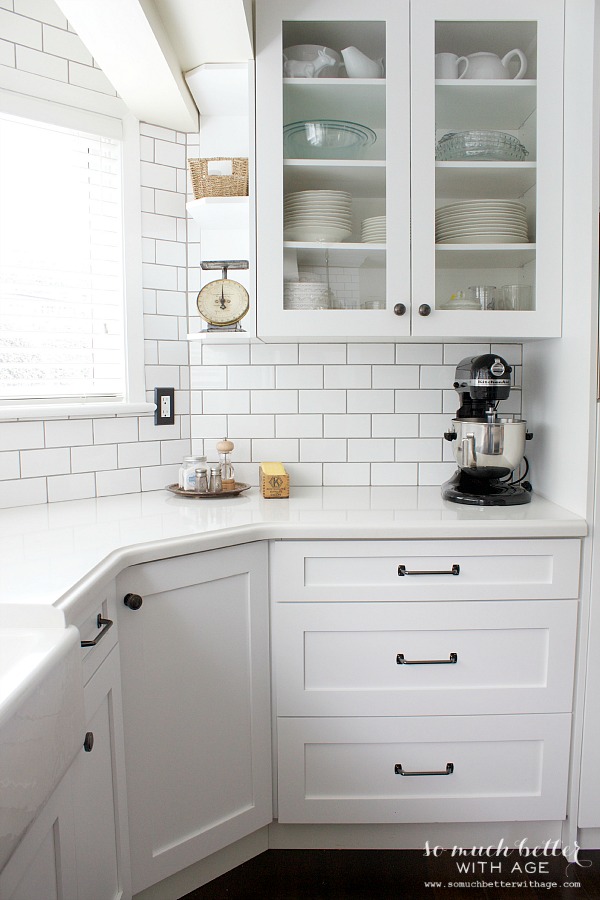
[[61, 263]]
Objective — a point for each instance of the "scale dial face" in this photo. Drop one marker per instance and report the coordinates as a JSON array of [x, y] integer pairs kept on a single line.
[[223, 302]]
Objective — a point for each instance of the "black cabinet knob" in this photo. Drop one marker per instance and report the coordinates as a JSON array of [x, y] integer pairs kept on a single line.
[[88, 743], [424, 309], [133, 601], [399, 309]]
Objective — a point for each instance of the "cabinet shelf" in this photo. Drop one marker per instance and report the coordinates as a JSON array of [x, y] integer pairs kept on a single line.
[[361, 177], [471, 180], [330, 98], [484, 256], [357, 255], [215, 213], [501, 105]]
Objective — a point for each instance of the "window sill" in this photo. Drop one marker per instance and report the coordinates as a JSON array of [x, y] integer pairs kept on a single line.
[[74, 410]]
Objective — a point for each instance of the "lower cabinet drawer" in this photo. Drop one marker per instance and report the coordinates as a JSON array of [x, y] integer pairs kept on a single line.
[[476, 769], [392, 659], [98, 630]]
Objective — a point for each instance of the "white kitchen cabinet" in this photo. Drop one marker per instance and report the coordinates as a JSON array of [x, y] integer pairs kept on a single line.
[[44, 863], [452, 661], [371, 291], [78, 847], [196, 699]]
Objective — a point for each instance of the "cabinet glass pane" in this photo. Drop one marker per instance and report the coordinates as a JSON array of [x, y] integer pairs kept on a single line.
[[334, 165], [486, 165]]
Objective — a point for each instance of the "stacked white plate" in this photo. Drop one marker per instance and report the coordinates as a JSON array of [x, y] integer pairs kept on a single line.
[[373, 230], [482, 222], [305, 295], [317, 216]]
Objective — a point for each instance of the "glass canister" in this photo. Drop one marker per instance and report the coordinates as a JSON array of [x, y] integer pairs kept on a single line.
[[224, 449], [187, 472]]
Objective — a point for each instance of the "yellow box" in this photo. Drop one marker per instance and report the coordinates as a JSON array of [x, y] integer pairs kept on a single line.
[[274, 480]]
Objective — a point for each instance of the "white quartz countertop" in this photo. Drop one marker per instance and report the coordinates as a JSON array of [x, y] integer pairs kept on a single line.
[[52, 553]]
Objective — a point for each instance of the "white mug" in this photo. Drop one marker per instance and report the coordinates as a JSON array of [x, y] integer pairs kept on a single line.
[[447, 65]]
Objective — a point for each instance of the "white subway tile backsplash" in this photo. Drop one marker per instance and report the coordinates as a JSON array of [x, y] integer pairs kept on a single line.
[[41, 10], [282, 449], [251, 377], [161, 327], [56, 461], [299, 377], [154, 478], [373, 401], [437, 376], [371, 450], [395, 376], [454, 353], [172, 353], [304, 474], [347, 376], [24, 491], [250, 427], [320, 354], [59, 42], [71, 487], [159, 226], [208, 378], [7, 53], [419, 354], [323, 450], [512, 353], [431, 425], [274, 354], [94, 458], [346, 473], [157, 131], [169, 203], [418, 401], [171, 303], [20, 30], [38, 63], [394, 473], [115, 431], [171, 253], [349, 426], [119, 481], [155, 176], [9, 465], [91, 78], [228, 402], [21, 435], [322, 401], [370, 354], [142, 453], [272, 401], [160, 277], [309, 425], [68, 432], [167, 153], [435, 473], [172, 452], [148, 431], [395, 425], [426, 449], [221, 354], [209, 426]]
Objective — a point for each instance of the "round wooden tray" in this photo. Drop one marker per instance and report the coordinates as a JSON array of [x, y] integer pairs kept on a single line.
[[232, 492]]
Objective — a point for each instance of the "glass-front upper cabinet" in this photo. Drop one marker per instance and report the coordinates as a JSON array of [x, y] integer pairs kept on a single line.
[[333, 169], [487, 167]]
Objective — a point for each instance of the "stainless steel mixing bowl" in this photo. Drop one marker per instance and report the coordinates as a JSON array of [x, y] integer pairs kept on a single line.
[[488, 448]]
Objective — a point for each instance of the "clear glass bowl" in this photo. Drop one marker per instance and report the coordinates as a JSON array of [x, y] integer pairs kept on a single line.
[[480, 145], [326, 139]]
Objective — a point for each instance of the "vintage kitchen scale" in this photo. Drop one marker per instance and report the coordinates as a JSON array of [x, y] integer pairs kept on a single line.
[[223, 303]]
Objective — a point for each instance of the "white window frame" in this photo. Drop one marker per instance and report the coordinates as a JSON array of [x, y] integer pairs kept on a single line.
[[126, 129]]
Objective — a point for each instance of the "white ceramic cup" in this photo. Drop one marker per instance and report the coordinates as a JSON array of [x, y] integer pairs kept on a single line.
[[447, 65]]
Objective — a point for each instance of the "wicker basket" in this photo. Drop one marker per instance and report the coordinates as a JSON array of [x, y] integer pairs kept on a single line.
[[205, 185]]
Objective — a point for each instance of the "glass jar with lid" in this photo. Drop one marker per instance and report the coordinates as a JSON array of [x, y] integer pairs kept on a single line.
[[187, 472]]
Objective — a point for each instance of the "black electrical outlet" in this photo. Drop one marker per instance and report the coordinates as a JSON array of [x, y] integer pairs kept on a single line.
[[165, 406]]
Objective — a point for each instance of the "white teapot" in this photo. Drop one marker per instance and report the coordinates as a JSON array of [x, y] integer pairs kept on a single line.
[[358, 65], [488, 65]]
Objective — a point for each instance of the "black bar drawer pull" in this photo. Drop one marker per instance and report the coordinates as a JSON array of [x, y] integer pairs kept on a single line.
[[105, 624], [447, 771], [426, 662], [455, 570]]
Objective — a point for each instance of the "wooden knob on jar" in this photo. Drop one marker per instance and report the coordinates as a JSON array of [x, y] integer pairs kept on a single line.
[[225, 446]]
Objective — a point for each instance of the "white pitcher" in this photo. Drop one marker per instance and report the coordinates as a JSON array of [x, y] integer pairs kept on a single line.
[[488, 65], [358, 65]]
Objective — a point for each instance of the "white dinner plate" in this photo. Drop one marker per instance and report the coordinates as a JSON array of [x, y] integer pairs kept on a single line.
[[485, 239], [309, 234]]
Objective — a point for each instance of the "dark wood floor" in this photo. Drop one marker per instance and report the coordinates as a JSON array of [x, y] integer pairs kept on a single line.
[[401, 875]]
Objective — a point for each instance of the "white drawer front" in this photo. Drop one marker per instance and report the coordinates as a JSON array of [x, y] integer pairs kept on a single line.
[[369, 570], [345, 770], [336, 659]]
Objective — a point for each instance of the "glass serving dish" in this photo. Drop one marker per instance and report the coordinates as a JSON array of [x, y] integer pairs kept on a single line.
[[480, 145], [326, 139]]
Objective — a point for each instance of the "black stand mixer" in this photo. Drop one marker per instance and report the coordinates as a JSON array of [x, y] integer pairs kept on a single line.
[[487, 445]]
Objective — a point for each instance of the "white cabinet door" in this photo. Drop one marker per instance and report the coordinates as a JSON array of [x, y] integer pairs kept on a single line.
[[485, 242], [196, 701], [43, 866], [359, 275], [101, 834]]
